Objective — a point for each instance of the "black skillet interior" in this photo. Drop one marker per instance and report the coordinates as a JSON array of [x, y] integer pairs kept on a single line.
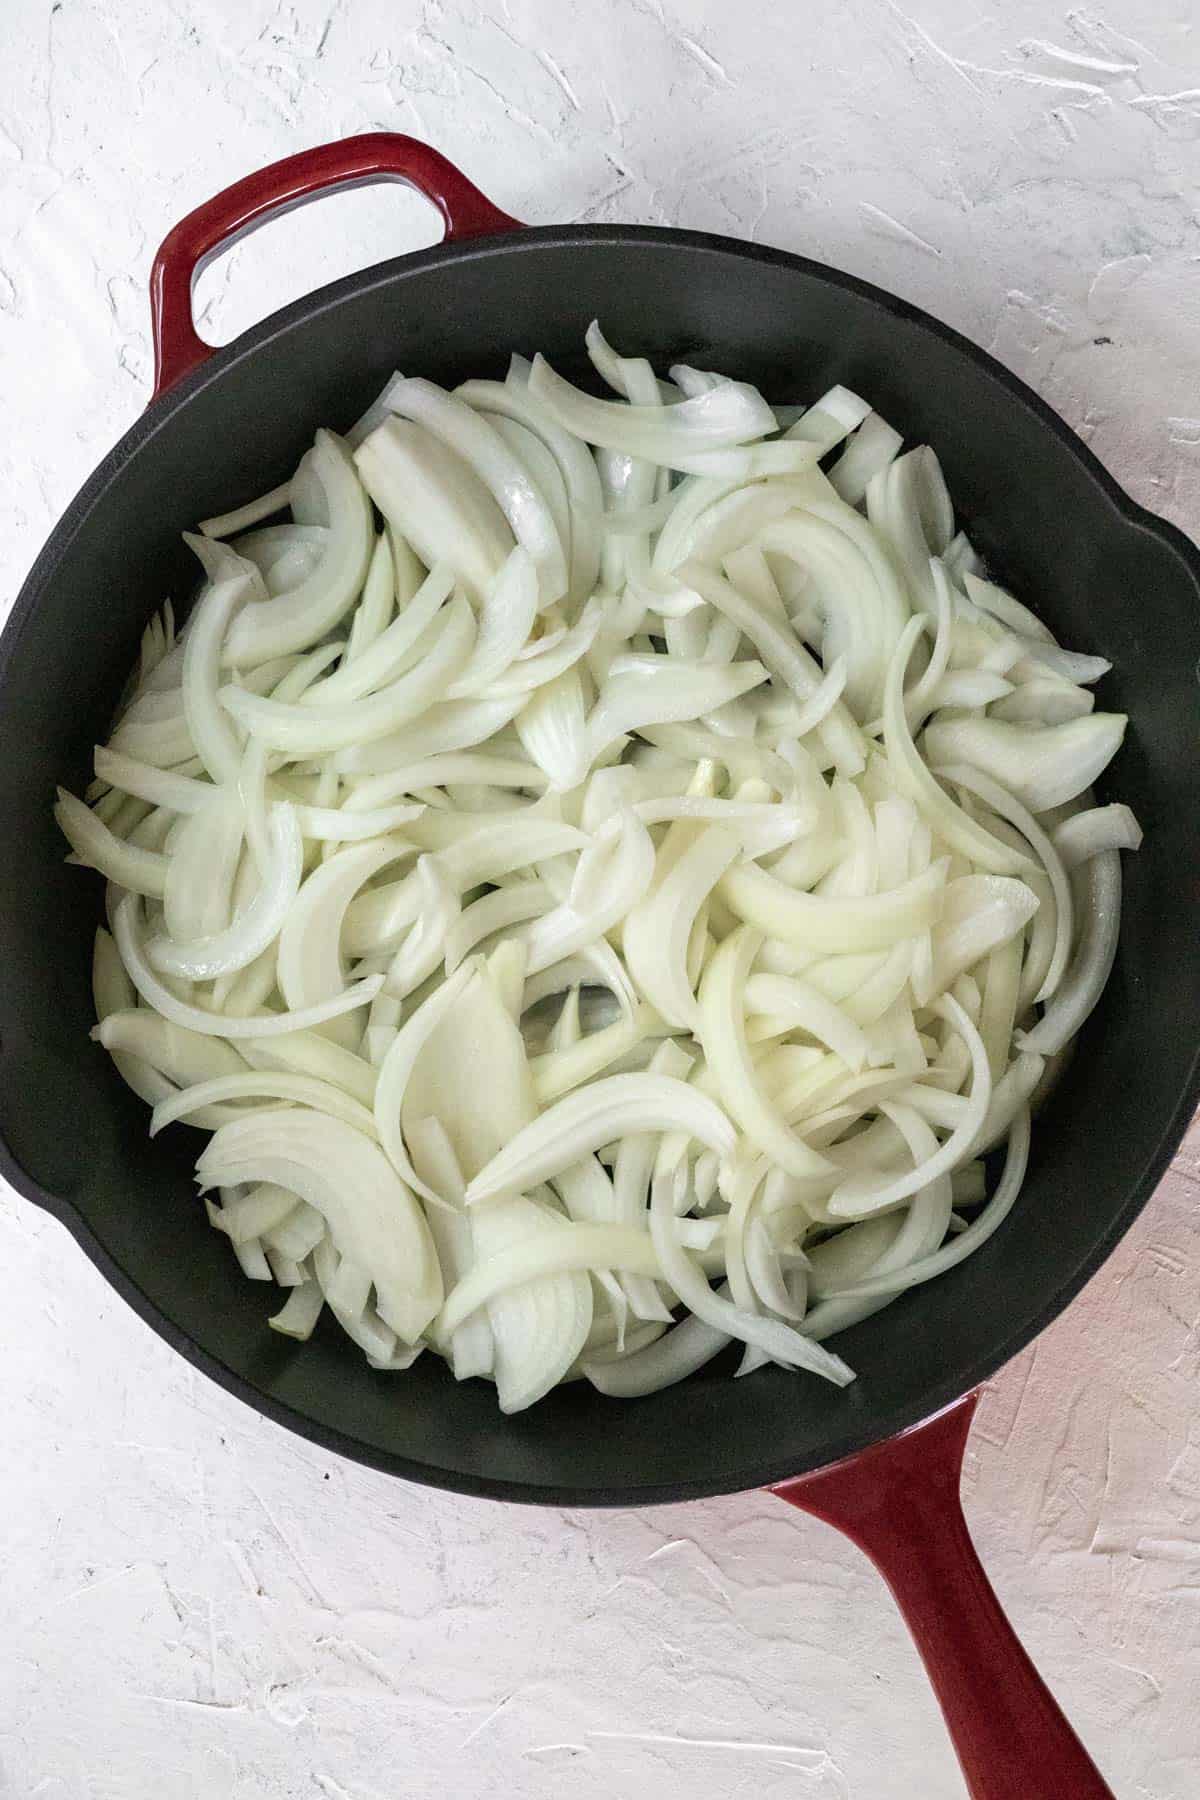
[[1040, 509]]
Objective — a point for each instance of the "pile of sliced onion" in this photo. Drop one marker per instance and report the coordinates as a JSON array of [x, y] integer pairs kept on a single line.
[[602, 871]]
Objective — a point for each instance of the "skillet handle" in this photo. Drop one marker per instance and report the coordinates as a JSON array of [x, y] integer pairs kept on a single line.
[[352, 162], [899, 1501]]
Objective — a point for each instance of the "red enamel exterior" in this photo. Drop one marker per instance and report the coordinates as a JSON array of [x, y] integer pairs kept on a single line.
[[899, 1502], [354, 162], [899, 1499]]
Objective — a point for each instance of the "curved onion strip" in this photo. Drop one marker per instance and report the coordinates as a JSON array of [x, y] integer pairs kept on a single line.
[[508, 610], [482, 448], [298, 618], [194, 1018], [967, 1242], [576, 465], [657, 690], [861, 1195], [210, 730], [255, 929], [438, 771], [308, 1053], [561, 1068], [436, 501], [183, 1056], [540, 465], [204, 848], [379, 596], [304, 730], [393, 651], [1099, 906], [788, 660], [981, 913], [425, 946], [581, 1123], [1041, 765], [833, 924], [781, 1342], [1008, 807], [263, 1084], [141, 871], [723, 1034], [310, 943], [448, 726], [179, 793], [564, 1249], [657, 931], [617, 876], [913, 778], [729, 414], [805, 1008], [503, 907], [552, 727], [373, 1219], [224, 525], [397, 1068], [1088, 833], [547, 663]]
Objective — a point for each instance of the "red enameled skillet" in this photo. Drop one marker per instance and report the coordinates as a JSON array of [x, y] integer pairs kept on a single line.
[[880, 1460]]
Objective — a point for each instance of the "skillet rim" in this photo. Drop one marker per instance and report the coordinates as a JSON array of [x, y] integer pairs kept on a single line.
[[157, 417]]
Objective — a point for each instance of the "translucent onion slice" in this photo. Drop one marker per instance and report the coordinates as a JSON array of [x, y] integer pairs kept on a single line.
[[194, 1018], [913, 778], [582, 1122], [255, 929], [780, 1341], [466, 432], [435, 500], [832, 924], [309, 730], [373, 1219], [723, 1034], [805, 1008], [393, 652], [397, 1069], [450, 725], [375, 607], [656, 690], [860, 1195], [610, 879], [263, 1084], [788, 661], [1003, 1200], [140, 871], [973, 781], [310, 969], [1041, 765], [300, 617], [507, 613], [564, 1248], [1099, 907], [658, 930], [576, 466], [1088, 833], [729, 414]]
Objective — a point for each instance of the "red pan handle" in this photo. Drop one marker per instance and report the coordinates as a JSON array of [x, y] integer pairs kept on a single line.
[[899, 1502], [353, 162]]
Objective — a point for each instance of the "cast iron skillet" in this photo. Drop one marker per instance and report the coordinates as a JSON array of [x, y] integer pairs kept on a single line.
[[227, 424]]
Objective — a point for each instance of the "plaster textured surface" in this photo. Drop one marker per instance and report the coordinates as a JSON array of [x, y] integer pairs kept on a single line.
[[197, 1605]]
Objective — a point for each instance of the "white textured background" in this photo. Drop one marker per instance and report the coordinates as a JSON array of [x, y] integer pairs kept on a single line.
[[196, 1606]]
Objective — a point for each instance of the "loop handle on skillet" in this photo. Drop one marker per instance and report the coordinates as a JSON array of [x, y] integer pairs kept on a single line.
[[899, 1502], [354, 162]]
